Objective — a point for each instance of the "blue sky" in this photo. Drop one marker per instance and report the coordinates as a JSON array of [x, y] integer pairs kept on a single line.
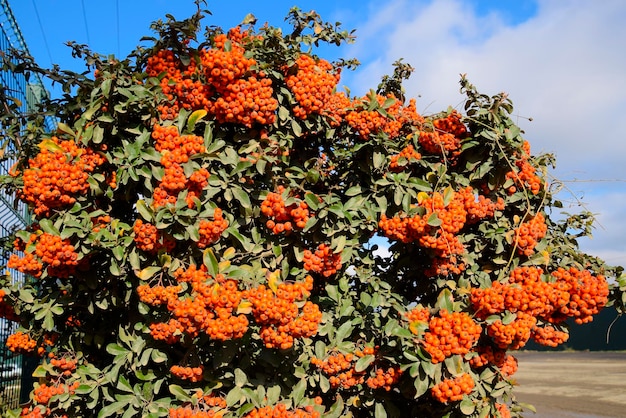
[[561, 61]]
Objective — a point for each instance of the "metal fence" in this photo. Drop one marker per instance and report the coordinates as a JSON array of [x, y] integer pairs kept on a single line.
[[15, 380]]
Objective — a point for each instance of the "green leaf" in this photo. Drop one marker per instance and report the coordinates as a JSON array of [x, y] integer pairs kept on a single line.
[[445, 300], [379, 411], [364, 362], [48, 227], [242, 197], [143, 210], [210, 261], [433, 220], [179, 393], [240, 378], [311, 200]]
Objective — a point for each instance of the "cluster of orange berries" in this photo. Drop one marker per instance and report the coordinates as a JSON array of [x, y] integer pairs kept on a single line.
[[20, 342], [512, 335], [176, 150], [100, 222], [211, 231], [279, 314], [445, 138], [6, 310], [487, 355], [525, 175], [588, 294], [336, 108], [280, 411], [528, 234], [401, 160], [452, 390], [284, 218], [207, 406], [569, 293], [66, 365], [372, 122], [57, 175], [385, 378], [340, 369], [460, 209], [211, 307], [192, 374], [503, 410], [312, 84], [244, 95], [148, 238], [43, 393], [449, 334], [323, 261], [56, 253]]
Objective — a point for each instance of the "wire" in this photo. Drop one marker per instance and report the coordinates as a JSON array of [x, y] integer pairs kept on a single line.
[[117, 15], [85, 21], [43, 33]]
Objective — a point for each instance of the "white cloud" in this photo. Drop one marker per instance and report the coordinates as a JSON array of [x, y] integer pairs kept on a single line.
[[565, 67]]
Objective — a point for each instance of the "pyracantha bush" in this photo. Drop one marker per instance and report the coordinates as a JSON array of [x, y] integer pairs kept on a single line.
[[207, 219]]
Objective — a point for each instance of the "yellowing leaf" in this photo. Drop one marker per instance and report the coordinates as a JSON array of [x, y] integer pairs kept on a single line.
[[273, 279], [50, 145], [421, 196], [244, 307]]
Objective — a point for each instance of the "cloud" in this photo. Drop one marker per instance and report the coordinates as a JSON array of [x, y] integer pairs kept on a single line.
[[564, 67]]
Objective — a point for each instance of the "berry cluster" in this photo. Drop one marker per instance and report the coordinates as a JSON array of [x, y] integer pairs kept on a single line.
[[449, 334], [312, 82], [176, 150], [20, 342], [539, 303], [385, 379], [57, 175], [206, 406], [390, 121], [445, 137], [57, 254], [525, 174], [192, 374], [401, 160], [149, 239], [44, 392], [282, 217], [512, 335], [323, 261], [453, 210], [244, 96], [281, 411], [178, 84], [452, 390], [211, 231], [279, 315], [210, 307], [588, 294], [340, 370], [528, 234]]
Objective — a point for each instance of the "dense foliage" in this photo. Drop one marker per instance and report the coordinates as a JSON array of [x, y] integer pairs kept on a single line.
[[206, 229]]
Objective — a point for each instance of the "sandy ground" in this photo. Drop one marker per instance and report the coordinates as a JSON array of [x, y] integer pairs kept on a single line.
[[572, 384]]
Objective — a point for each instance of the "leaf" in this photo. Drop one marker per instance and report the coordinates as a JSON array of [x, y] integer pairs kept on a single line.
[[433, 220], [179, 393], [379, 411], [240, 378], [242, 197], [194, 117], [311, 200], [210, 261], [272, 280], [445, 300], [363, 363], [143, 210], [147, 272]]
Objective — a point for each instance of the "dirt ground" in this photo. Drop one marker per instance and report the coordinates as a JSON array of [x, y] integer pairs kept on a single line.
[[572, 384]]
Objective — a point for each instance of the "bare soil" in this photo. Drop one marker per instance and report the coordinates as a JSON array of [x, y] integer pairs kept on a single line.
[[572, 384]]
